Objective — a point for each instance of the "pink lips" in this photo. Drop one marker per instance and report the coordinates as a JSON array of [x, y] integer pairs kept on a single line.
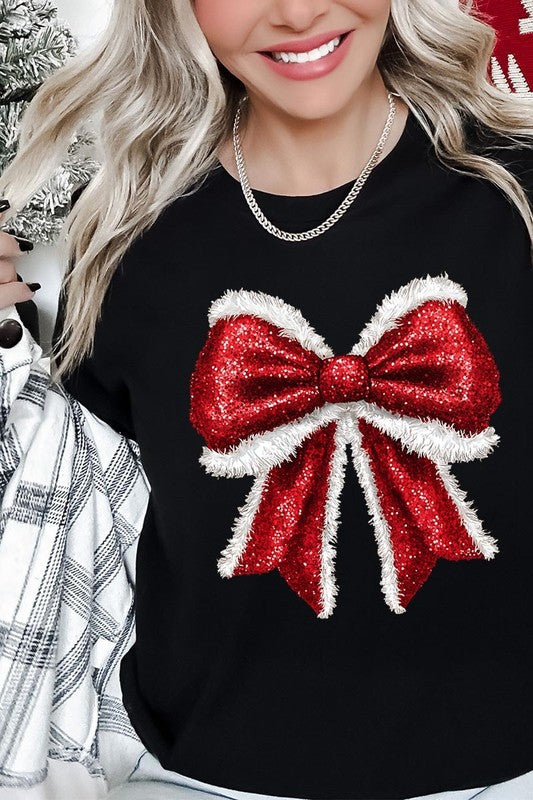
[[310, 69]]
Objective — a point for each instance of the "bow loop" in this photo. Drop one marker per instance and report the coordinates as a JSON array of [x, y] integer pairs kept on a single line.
[[248, 379], [437, 364]]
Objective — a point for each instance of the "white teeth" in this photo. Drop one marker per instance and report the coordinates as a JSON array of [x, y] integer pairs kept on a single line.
[[311, 55]]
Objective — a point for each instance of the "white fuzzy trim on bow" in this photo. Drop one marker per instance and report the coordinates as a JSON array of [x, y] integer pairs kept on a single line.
[[272, 309], [432, 438], [242, 526], [331, 523], [485, 543], [262, 451], [396, 304], [389, 575]]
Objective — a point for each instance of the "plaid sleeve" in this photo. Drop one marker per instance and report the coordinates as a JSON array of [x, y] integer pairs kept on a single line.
[[73, 498]]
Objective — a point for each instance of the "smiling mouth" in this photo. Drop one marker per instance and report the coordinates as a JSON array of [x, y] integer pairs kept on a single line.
[[268, 53]]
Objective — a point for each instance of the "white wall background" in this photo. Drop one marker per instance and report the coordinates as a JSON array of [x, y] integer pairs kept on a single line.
[[45, 263], [65, 781]]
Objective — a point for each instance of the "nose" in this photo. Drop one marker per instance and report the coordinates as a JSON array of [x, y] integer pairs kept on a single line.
[[300, 16]]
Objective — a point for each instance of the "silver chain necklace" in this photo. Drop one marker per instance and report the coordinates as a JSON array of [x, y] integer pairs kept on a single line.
[[346, 203]]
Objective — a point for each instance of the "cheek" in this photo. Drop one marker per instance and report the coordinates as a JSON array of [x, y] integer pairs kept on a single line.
[[224, 23], [370, 10]]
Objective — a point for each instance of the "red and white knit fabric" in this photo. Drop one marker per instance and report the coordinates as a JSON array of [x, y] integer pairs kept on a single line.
[[511, 67]]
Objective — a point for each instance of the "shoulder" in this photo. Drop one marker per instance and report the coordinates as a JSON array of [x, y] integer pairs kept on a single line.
[[188, 199], [516, 157]]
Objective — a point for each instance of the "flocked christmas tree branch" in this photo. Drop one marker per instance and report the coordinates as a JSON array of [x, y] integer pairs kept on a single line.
[[33, 44]]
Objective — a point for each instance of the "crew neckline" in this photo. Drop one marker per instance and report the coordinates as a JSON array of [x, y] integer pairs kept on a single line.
[[301, 208]]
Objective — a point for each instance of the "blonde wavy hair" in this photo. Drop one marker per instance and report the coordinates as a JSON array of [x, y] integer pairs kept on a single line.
[[165, 105]]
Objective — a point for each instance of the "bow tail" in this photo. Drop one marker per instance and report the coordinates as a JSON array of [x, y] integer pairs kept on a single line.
[[289, 521], [419, 514]]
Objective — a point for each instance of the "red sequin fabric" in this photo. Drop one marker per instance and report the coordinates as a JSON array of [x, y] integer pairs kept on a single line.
[[416, 393]]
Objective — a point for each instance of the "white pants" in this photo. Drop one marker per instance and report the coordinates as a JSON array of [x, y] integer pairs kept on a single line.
[[149, 781]]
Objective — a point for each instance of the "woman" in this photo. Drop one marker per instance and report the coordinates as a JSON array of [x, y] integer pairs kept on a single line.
[[257, 212]]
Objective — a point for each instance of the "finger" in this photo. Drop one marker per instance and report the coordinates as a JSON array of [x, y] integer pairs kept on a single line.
[[12, 246], [8, 271], [15, 292]]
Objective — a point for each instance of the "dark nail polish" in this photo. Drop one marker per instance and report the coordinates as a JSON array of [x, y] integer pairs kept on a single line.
[[34, 286], [24, 244], [4, 205]]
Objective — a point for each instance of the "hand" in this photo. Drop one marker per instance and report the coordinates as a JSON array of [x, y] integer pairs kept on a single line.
[[11, 289]]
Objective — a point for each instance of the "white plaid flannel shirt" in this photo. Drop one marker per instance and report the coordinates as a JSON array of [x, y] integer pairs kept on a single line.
[[73, 499]]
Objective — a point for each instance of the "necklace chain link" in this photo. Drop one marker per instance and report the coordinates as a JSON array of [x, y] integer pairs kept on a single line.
[[343, 207]]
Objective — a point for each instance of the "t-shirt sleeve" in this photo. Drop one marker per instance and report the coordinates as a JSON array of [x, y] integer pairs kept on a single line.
[[524, 171], [99, 382], [518, 159]]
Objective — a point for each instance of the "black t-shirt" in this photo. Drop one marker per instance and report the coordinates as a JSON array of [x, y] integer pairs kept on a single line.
[[302, 675]]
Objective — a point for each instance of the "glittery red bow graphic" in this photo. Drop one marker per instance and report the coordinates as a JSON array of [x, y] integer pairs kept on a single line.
[[416, 392]]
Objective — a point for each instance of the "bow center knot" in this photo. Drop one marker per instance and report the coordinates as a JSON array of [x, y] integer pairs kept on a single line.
[[344, 379]]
